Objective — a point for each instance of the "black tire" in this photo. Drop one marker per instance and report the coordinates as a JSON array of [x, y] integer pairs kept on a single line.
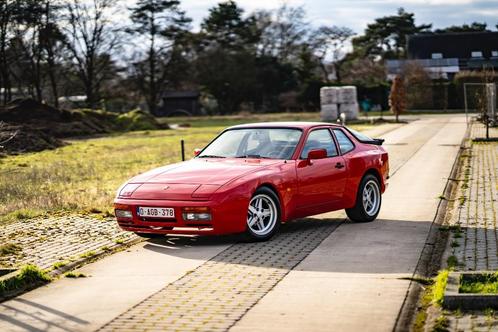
[[149, 235], [360, 213], [271, 203]]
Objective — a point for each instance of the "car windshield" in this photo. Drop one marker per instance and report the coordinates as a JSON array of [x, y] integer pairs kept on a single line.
[[272, 143]]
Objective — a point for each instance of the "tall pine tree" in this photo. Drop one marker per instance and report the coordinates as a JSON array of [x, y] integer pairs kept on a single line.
[[161, 21]]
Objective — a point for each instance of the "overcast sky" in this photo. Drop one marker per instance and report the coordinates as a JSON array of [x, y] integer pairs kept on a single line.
[[357, 13]]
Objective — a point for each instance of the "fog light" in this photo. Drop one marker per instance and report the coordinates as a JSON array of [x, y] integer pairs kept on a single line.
[[123, 214], [196, 214]]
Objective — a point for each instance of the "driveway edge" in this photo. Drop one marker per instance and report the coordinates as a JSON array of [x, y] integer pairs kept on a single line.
[[433, 250]]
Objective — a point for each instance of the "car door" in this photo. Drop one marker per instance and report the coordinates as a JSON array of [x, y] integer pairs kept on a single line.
[[321, 182]]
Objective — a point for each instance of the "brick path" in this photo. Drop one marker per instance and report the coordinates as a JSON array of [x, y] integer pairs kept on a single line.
[[475, 213], [218, 293], [44, 242]]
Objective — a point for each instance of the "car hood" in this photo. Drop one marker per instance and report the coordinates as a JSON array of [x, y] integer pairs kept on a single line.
[[197, 178]]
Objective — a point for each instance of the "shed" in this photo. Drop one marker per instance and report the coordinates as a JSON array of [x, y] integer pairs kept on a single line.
[[178, 103]]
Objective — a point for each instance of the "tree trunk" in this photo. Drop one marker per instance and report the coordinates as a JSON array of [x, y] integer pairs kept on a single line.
[[152, 68], [337, 69], [53, 81]]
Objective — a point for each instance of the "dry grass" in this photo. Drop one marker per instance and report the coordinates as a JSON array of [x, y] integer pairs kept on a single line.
[[84, 176]]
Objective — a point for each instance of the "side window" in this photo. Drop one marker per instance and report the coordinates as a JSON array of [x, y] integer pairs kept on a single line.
[[345, 143], [319, 139]]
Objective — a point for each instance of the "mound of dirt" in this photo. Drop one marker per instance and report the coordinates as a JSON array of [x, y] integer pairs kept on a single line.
[[16, 139], [38, 126]]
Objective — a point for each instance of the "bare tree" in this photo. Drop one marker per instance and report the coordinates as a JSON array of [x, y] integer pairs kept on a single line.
[[7, 18], [91, 39], [328, 44], [283, 35], [52, 41]]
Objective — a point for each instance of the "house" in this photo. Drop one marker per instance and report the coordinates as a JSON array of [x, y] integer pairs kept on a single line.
[[445, 54], [178, 103]]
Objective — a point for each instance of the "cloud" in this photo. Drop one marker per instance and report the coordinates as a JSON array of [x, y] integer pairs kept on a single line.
[[356, 14]]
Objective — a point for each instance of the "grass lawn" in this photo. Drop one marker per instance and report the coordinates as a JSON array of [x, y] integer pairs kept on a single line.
[[487, 284], [83, 176]]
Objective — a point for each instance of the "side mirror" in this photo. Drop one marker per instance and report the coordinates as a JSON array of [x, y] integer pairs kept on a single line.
[[197, 151], [317, 154]]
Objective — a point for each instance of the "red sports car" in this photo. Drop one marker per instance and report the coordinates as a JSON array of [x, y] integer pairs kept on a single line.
[[253, 177]]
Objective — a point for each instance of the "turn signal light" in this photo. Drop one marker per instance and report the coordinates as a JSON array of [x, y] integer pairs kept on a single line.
[[123, 214], [196, 214]]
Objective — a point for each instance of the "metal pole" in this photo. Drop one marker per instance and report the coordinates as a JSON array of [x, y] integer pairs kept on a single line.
[[182, 142], [465, 99]]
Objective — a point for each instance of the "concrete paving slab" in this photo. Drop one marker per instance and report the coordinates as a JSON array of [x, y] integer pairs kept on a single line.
[[113, 285]]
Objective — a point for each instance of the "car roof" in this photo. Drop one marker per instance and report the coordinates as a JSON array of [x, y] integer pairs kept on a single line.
[[287, 124]]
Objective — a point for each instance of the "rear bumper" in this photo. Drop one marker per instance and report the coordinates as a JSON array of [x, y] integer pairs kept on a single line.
[[225, 218]]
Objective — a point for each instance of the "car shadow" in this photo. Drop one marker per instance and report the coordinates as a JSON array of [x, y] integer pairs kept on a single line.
[[332, 245]]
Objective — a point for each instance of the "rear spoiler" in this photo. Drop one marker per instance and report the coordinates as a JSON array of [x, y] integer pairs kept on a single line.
[[375, 141]]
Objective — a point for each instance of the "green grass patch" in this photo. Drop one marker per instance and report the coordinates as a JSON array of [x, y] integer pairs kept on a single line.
[[441, 325], [28, 275], [455, 244], [83, 177], [439, 287], [88, 254], [447, 228], [60, 264], [75, 275], [452, 262], [429, 297], [9, 249], [485, 284]]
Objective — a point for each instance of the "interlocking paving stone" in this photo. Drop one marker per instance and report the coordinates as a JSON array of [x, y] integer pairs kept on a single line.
[[476, 213], [44, 242], [218, 293]]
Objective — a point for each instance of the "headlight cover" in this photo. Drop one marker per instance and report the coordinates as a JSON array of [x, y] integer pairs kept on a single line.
[[128, 189]]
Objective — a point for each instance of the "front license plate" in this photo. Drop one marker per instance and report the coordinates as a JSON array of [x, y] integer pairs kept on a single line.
[[156, 212]]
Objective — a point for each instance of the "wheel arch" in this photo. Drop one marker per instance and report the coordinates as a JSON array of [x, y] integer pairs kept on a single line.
[[375, 172], [274, 189]]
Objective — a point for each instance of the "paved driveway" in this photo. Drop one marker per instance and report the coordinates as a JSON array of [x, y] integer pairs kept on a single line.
[[317, 274]]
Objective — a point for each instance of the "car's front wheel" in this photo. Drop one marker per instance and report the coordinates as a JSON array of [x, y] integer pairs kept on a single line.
[[263, 215], [368, 200]]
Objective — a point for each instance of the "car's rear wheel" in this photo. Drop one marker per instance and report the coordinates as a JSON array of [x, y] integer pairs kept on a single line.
[[368, 200], [263, 215]]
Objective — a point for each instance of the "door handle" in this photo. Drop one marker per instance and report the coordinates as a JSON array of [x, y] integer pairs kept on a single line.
[[339, 165]]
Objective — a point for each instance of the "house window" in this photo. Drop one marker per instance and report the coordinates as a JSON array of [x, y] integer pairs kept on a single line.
[[494, 54], [437, 55], [477, 54]]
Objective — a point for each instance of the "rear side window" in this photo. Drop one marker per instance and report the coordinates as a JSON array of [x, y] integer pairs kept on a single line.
[[319, 139], [345, 143]]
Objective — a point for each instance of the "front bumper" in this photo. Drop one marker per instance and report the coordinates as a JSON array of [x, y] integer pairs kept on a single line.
[[225, 218]]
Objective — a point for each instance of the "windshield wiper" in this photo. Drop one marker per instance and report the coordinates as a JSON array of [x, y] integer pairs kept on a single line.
[[210, 156], [253, 156]]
